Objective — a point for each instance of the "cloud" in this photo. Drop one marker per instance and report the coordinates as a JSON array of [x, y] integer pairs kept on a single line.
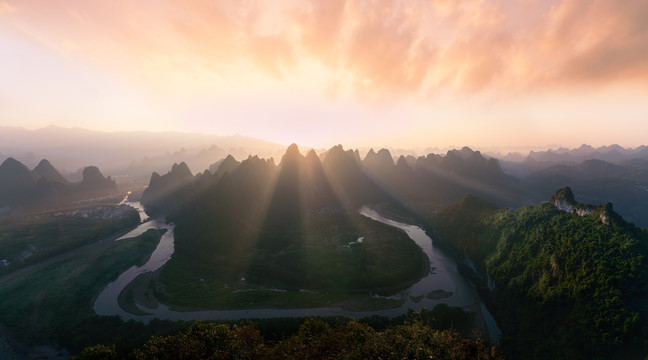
[[273, 55], [600, 40], [320, 27], [6, 9], [387, 55], [388, 49]]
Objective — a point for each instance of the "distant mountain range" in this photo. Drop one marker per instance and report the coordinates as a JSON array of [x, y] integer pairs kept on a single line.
[[441, 179], [258, 202], [130, 155], [355, 180], [519, 164], [45, 187], [608, 173]]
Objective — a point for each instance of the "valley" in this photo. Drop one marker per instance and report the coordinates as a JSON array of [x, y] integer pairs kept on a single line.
[[335, 236]]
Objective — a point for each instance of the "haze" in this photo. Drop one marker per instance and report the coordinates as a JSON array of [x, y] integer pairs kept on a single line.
[[319, 73]]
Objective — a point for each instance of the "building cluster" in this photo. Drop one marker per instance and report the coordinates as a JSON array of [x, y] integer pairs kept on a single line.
[[99, 212]]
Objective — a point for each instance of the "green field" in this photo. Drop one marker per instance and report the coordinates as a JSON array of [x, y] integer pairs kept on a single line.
[[28, 239], [53, 305], [328, 262]]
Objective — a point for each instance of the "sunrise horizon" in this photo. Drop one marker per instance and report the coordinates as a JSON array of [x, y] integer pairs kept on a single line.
[[501, 149], [484, 74], [324, 179]]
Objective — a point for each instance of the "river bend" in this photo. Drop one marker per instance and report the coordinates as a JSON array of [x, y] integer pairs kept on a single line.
[[443, 275]]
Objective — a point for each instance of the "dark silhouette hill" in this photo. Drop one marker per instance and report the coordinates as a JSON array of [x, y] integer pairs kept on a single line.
[[340, 179], [351, 183], [256, 204], [44, 187], [94, 181], [448, 178], [284, 215], [163, 191], [46, 170], [227, 165], [134, 153], [16, 181]]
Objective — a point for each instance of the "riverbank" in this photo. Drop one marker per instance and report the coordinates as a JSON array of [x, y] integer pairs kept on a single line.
[[245, 301], [480, 322], [476, 280], [140, 295], [337, 257], [100, 245], [53, 304]]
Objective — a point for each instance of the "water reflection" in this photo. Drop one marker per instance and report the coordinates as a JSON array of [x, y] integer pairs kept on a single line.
[[443, 276]]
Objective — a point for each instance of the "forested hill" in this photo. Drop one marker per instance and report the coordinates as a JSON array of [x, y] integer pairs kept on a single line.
[[566, 284], [342, 176], [287, 225]]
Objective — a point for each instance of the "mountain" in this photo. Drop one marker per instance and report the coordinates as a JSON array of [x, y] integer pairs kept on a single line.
[[448, 178], [162, 192], [380, 162], [340, 178], [135, 154], [46, 170], [612, 153], [95, 182], [380, 167], [258, 207], [564, 200], [562, 278], [597, 181], [523, 165], [45, 188], [285, 210], [16, 181], [289, 224], [227, 165], [352, 185]]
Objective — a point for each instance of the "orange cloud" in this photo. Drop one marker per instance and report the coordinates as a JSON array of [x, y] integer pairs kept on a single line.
[[372, 49], [387, 56], [272, 54], [600, 40], [6, 9], [320, 28]]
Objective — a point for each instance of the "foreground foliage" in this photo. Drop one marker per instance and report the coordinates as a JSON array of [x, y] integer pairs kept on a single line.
[[316, 339]]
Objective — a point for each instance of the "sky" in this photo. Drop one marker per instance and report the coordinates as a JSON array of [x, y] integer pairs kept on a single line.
[[436, 73]]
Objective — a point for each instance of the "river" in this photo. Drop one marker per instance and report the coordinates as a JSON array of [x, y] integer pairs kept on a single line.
[[443, 275]]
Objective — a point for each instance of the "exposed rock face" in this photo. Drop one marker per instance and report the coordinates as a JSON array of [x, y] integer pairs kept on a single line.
[[564, 200]]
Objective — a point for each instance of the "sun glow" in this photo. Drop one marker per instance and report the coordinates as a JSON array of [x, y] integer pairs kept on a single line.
[[321, 73]]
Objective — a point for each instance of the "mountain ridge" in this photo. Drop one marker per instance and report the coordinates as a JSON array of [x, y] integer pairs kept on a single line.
[[44, 187]]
